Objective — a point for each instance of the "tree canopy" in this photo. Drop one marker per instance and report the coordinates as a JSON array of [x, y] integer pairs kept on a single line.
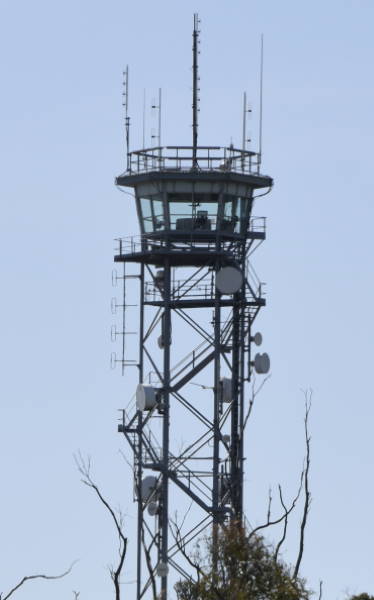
[[243, 567]]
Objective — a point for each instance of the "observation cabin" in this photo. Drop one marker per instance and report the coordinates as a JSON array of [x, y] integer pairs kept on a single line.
[[192, 202]]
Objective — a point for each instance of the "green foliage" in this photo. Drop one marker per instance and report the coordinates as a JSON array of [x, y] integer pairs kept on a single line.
[[362, 597], [246, 569]]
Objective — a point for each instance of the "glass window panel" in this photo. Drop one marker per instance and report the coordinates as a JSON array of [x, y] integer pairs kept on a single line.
[[146, 206], [234, 214], [230, 221], [152, 209], [193, 211], [158, 213]]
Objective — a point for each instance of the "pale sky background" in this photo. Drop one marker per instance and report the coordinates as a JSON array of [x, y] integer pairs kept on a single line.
[[62, 143]]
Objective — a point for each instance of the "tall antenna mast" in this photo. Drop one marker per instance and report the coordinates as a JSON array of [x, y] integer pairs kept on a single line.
[[144, 118], [125, 103], [194, 258], [244, 120], [195, 89], [158, 107], [261, 102]]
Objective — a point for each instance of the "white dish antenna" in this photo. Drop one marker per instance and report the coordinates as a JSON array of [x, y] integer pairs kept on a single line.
[[148, 487], [229, 280], [152, 508], [257, 339], [145, 397], [262, 363]]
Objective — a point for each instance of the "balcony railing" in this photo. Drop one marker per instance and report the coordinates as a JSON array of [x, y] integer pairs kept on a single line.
[[182, 159], [148, 242]]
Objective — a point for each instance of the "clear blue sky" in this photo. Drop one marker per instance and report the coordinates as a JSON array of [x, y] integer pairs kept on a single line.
[[62, 143]]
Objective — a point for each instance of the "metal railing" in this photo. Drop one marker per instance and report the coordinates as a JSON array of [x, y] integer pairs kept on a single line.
[[146, 242], [181, 159]]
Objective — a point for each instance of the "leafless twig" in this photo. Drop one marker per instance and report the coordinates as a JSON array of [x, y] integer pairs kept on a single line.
[[283, 517], [320, 590], [146, 549], [308, 498], [269, 505], [148, 560], [178, 538], [84, 468], [285, 522], [255, 393], [29, 577]]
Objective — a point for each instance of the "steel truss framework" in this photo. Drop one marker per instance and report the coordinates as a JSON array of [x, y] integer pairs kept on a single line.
[[208, 470]]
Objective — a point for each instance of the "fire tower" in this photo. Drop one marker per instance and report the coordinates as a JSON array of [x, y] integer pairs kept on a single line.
[[198, 299]]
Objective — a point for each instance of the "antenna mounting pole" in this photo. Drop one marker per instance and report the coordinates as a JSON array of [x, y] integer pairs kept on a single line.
[[195, 99], [244, 141], [261, 102], [125, 103]]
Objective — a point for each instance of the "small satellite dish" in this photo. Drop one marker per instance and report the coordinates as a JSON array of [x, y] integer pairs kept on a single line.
[[145, 397], [262, 363], [226, 439], [229, 280], [257, 338], [147, 487], [152, 508]]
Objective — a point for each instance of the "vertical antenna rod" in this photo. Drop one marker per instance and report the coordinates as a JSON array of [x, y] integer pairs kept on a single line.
[[244, 120], [158, 107], [159, 117], [144, 118], [261, 102], [195, 78], [125, 103]]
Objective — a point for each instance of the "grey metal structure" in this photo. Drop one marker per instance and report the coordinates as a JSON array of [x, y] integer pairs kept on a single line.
[[192, 262]]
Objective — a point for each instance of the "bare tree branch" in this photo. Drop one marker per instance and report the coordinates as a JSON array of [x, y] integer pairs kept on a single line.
[[255, 393], [42, 576], [285, 522], [269, 505], [84, 468], [283, 517], [320, 590], [76, 595], [178, 538], [308, 498], [148, 560]]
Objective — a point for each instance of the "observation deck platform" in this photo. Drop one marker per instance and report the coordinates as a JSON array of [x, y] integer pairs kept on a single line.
[[194, 249], [215, 163]]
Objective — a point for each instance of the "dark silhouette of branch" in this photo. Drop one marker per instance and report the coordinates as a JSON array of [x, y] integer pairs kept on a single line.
[[320, 590], [146, 549], [29, 577], [269, 505], [308, 499], [181, 545], [255, 393], [84, 468], [285, 522], [283, 517], [147, 553]]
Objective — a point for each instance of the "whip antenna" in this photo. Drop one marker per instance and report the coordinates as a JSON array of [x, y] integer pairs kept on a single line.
[[195, 89], [125, 103], [261, 102]]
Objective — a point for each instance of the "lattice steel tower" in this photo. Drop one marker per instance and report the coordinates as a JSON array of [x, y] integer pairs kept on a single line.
[[199, 297]]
